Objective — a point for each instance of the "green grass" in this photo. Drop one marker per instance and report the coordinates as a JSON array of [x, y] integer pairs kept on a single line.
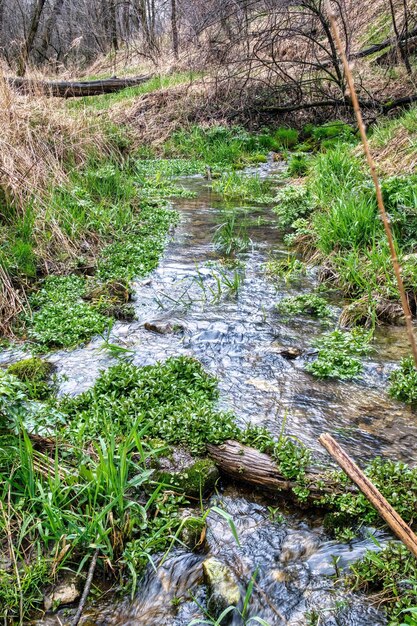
[[221, 146], [286, 137], [334, 217], [128, 95], [244, 187], [385, 130], [231, 236], [298, 165], [392, 574]]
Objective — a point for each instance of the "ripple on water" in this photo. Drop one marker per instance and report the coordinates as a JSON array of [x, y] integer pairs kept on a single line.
[[238, 338]]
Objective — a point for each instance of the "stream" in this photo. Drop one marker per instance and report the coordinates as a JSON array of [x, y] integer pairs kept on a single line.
[[225, 317]]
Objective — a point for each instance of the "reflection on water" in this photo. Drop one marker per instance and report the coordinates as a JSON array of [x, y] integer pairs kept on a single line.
[[238, 337]]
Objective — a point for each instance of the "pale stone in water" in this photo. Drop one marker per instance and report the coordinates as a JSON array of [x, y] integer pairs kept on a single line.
[[222, 586], [64, 593]]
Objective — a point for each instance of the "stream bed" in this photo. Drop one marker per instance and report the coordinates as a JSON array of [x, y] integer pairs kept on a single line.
[[226, 318]]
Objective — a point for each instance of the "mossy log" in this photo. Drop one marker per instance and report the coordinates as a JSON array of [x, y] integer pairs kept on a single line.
[[249, 466], [74, 89]]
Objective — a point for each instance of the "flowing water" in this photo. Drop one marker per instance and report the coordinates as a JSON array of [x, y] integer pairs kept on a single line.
[[239, 336]]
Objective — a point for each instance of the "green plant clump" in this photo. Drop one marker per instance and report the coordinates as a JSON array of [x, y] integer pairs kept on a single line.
[[291, 456], [35, 373], [289, 268], [304, 304], [231, 236], [397, 483], [239, 186], [286, 137], [294, 202], [391, 574], [173, 400], [403, 381], [298, 165], [338, 353]]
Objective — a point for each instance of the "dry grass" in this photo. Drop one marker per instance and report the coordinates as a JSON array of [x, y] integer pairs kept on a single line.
[[38, 136], [158, 114], [399, 155], [12, 302], [39, 139]]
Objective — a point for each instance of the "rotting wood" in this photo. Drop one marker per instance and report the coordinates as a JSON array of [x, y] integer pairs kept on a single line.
[[74, 89], [248, 465], [375, 497]]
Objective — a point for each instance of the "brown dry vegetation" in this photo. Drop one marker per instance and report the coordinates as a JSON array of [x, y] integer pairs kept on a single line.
[[39, 139]]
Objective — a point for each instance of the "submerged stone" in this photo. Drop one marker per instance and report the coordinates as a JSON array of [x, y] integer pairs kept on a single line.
[[223, 589], [193, 531], [63, 593], [164, 327]]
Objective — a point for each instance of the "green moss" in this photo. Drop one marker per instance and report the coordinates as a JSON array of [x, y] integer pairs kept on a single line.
[[35, 373], [198, 479]]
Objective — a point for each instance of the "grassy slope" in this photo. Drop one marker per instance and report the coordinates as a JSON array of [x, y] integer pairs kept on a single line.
[[339, 222]]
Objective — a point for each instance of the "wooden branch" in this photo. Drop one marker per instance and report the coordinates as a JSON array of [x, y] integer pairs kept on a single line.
[[87, 588], [386, 511], [373, 105], [76, 89], [248, 465], [381, 46]]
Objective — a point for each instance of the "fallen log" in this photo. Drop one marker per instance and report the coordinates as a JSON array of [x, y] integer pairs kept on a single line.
[[244, 464], [74, 89]]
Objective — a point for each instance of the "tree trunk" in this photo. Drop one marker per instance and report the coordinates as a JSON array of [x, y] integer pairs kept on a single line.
[[49, 26], [30, 37], [64, 89], [113, 25], [401, 52], [174, 27], [254, 468]]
